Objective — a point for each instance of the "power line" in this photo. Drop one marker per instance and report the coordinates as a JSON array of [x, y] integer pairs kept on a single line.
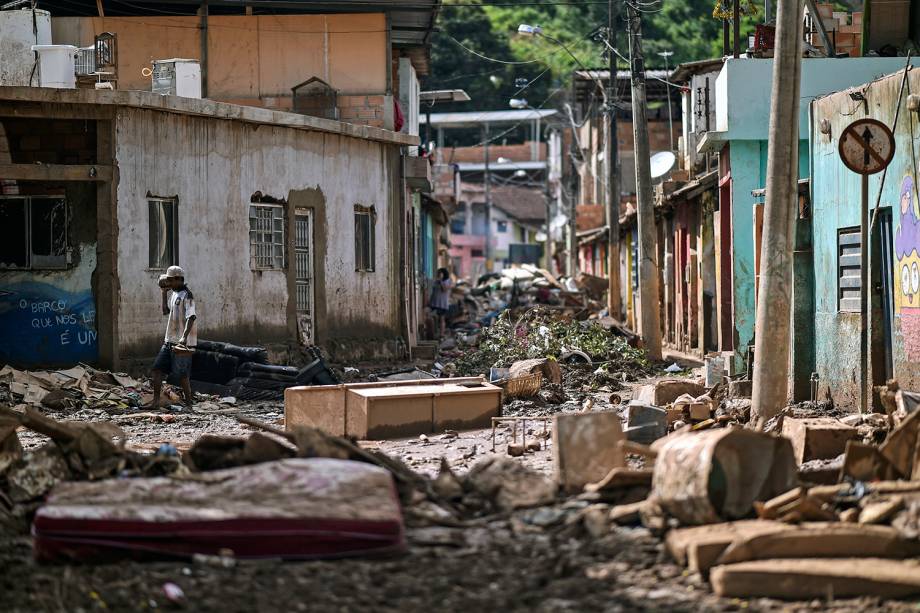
[[490, 59]]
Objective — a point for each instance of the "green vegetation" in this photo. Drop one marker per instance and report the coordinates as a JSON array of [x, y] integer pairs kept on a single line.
[[685, 27]]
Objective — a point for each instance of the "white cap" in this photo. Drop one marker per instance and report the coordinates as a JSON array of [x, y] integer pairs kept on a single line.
[[174, 271]]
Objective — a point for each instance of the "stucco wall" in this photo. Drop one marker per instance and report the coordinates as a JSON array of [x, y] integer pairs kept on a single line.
[[744, 85], [836, 202], [214, 166]]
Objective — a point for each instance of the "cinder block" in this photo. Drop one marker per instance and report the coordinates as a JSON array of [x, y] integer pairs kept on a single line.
[[317, 406], [817, 438], [668, 390], [742, 388], [585, 447]]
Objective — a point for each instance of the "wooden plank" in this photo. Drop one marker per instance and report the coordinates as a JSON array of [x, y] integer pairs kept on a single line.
[[56, 172], [806, 578]]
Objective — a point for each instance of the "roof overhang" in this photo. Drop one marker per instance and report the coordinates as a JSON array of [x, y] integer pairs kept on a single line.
[[477, 118]]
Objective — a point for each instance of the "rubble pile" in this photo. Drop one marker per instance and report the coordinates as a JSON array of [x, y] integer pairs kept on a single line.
[[540, 333], [71, 390]]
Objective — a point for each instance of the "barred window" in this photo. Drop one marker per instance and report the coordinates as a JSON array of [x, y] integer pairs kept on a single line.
[[163, 232], [365, 221], [266, 237]]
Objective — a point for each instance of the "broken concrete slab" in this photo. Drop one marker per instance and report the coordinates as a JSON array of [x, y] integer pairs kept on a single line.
[[902, 446], [806, 578], [740, 388], [666, 391], [817, 438], [718, 474], [585, 447]]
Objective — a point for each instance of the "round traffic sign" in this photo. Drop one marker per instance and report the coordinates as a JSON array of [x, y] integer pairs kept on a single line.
[[866, 146]]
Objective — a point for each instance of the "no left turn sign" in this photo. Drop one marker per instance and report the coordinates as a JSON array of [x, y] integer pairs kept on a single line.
[[866, 146]]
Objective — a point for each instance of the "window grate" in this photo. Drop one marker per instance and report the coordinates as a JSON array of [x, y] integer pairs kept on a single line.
[[266, 237], [849, 270]]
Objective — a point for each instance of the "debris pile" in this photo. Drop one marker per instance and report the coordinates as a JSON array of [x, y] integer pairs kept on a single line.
[[540, 333], [71, 390], [245, 372]]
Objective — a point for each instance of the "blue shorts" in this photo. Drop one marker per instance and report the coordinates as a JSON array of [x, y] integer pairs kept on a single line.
[[168, 362]]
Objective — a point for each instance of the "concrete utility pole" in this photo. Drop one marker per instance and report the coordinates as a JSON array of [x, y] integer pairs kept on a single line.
[[649, 326], [612, 155], [771, 355], [487, 181]]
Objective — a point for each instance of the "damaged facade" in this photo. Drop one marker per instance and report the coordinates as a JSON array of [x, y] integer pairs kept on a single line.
[[286, 224]]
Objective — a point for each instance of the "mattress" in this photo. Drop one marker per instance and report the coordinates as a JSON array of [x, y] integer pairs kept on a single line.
[[299, 508]]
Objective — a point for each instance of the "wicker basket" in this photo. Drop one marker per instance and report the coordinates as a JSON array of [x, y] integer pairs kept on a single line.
[[524, 387]]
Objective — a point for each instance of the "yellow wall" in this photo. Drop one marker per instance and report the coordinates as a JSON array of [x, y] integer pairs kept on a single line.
[[251, 59]]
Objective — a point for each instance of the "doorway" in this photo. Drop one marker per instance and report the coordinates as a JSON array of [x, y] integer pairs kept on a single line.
[[303, 274], [883, 303]]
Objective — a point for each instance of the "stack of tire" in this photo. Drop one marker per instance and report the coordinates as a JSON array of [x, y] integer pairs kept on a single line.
[[244, 372]]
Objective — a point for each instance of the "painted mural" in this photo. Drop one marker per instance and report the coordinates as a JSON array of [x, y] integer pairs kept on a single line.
[[907, 267], [41, 324]]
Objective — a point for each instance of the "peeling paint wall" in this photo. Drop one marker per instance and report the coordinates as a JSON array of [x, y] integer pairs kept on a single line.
[[214, 166], [836, 203]]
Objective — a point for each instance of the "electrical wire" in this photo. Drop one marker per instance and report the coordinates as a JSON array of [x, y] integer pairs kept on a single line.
[[490, 59]]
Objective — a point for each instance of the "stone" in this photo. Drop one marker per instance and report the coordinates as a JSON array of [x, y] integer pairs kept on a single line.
[[817, 438], [585, 447], [666, 391], [742, 388]]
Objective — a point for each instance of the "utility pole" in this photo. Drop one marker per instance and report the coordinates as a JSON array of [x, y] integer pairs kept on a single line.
[[487, 180], [771, 355], [612, 155], [649, 326]]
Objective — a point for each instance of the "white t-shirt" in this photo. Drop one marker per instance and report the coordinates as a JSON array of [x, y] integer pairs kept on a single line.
[[181, 307]]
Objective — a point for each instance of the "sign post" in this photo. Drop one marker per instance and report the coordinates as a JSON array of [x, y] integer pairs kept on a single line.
[[866, 147]]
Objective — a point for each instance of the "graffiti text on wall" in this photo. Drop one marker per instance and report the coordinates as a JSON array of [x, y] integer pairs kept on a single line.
[[44, 325], [907, 267]]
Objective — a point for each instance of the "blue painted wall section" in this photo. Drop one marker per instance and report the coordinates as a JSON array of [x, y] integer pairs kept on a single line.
[[43, 324]]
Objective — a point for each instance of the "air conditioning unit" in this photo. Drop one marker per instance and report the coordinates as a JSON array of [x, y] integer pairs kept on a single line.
[[176, 77]]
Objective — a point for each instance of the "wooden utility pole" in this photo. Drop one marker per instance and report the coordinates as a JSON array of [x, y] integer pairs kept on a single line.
[[771, 356], [649, 326], [614, 306]]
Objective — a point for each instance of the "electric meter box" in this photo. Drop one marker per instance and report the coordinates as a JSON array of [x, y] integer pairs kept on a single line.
[[176, 77]]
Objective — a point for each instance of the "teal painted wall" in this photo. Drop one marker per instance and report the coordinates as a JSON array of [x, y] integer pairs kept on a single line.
[[748, 160], [836, 205]]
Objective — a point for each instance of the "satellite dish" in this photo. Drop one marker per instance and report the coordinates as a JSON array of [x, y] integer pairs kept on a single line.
[[662, 163]]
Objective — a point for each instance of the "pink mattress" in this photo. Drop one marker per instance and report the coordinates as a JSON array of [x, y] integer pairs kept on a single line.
[[292, 509]]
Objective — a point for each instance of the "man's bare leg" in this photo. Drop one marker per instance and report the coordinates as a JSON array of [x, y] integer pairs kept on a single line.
[[157, 377], [187, 390]]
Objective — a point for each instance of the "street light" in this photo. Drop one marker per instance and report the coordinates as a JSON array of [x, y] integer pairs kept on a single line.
[[666, 55]]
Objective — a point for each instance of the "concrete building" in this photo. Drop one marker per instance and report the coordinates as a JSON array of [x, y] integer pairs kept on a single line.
[[739, 136], [288, 226], [833, 229], [255, 56]]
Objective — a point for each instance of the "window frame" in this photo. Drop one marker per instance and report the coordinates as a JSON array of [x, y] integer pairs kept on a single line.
[[36, 261], [277, 246], [365, 261], [174, 202]]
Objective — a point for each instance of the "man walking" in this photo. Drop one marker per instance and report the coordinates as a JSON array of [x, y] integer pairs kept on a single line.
[[175, 355]]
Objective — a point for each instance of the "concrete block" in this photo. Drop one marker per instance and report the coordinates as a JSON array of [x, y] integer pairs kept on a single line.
[[585, 447], [742, 388], [817, 438], [666, 391], [318, 406]]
